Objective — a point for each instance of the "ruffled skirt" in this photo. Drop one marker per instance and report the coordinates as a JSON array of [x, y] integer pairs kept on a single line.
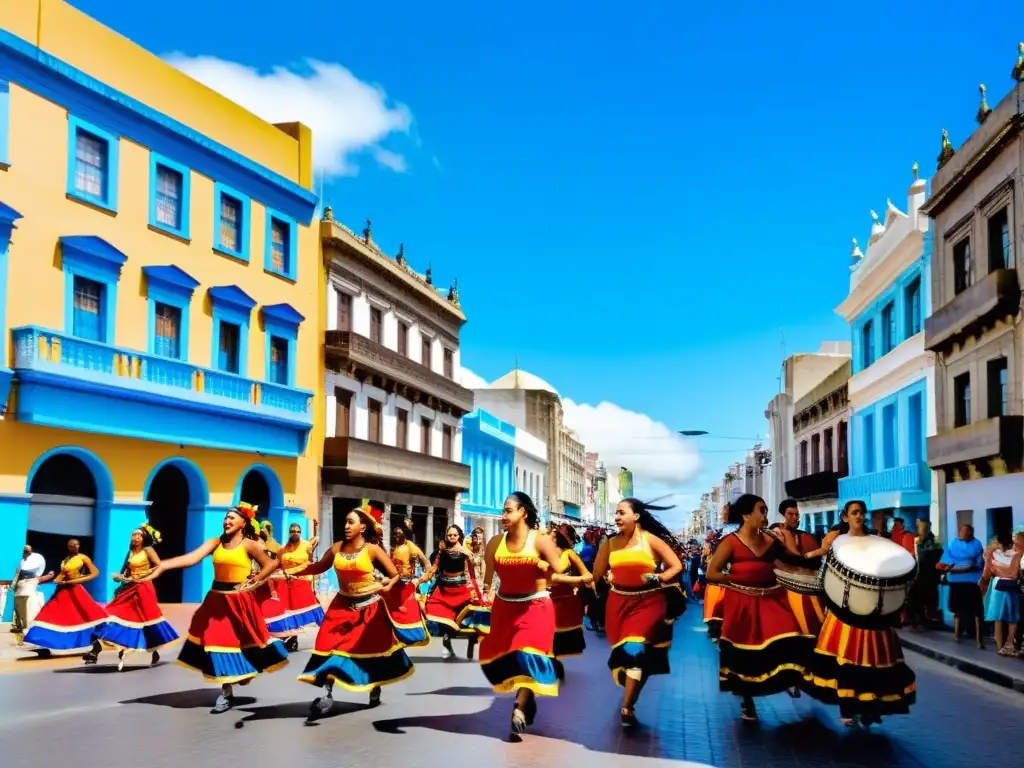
[[443, 607], [136, 622], [406, 616], [713, 605], [68, 622], [299, 606], [639, 630], [569, 638], [809, 611], [518, 649]]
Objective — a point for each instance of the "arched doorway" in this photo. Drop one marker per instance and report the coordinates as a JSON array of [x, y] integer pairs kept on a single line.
[[169, 499], [256, 491], [63, 506]]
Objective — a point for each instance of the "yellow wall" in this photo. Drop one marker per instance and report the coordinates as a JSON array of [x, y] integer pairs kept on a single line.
[[35, 185]]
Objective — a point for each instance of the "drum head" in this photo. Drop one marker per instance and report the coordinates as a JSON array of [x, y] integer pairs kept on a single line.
[[873, 556]]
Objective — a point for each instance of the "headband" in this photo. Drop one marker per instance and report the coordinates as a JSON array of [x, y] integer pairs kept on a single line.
[[376, 515], [246, 510]]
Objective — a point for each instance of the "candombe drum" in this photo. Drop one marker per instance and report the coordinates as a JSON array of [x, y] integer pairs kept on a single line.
[[867, 579], [799, 582]]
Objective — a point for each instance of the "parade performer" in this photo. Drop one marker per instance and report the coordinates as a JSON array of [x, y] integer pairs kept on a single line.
[[809, 609], [228, 641], [402, 599], [714, 594], [296, 593], [761, 648], [642, 568], [455, 590], [565, 593], [267, 593], [70, 619], [356, 646], [517, 652], [135, 621], [861, 670]]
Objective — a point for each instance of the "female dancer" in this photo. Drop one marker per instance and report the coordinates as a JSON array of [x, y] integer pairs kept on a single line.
[[402, 599], [641, 606], [477, 551], [228, 641], [761, 648], [516, 654], [565, 588], [861, 670], [136, 622], [356, 646], [714, 594], [70, 619], [302, 608], [455, 590], [267, 592]]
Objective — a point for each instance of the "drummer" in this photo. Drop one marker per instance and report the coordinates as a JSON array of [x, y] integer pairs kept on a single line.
[[808, 608], [861, 670]]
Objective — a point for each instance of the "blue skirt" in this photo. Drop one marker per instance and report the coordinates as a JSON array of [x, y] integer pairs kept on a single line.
[[1003, 606]]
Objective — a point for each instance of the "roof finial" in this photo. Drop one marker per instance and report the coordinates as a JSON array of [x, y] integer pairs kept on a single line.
[[453, 292], [874, 217], [400, 257], [1018, 69], [368, 232], [914, 170], [515, 373], [429, 276], [947, 149], [328, 213], [983, 109]]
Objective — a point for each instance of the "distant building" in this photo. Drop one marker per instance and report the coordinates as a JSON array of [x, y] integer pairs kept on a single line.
[[489, 449]]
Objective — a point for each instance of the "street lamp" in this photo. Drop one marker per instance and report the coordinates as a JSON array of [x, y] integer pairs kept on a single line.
[[705, 433]]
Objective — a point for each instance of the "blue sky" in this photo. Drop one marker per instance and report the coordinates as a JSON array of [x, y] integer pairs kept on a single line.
[[635, 198]]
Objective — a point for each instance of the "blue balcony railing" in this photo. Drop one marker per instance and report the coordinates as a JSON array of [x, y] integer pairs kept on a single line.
[[55, 352], [909, 477]]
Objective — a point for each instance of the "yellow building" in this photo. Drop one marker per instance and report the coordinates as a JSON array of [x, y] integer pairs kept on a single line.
[[160, 319]]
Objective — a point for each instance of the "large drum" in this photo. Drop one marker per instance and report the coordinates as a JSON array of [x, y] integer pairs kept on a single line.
[[800, 582], [867, 580]]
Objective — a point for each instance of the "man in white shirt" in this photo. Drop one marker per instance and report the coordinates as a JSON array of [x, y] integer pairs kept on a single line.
[[27, 600]]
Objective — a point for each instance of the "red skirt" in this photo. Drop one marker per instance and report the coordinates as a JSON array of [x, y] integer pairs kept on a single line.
[[136, 622], [639, 633], [569, 638], [518, 650], [356, 647], [713, 606], [762, 649], [406, 616], [68, 622], [228, 641], [443, 607], [861, 670], [300, 607], [809, 611], [271, 606]]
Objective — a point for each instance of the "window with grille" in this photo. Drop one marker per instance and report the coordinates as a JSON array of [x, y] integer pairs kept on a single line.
[[280, 233], [167, 331], [230, 223], [998, 404], [962, 400], [88, 310], [278, 360], [962, 272], [169, 185], [91, 165], [999, 240], [230, 334]]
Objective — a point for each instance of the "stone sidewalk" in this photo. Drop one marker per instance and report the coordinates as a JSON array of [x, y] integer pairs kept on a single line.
[[966, 657]]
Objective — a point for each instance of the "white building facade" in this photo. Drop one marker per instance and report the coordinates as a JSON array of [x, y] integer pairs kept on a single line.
[[532, 468]]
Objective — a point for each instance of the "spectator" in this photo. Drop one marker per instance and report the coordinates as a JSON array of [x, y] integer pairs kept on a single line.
[[27, 600], [1004, 596], [962, 564]]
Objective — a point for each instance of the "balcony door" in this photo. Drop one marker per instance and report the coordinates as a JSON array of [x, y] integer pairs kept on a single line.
[[342, 413]]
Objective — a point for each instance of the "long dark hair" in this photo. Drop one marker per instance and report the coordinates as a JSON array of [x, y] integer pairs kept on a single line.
[[453, 527], [651, 524], [524, 501], [844, 525]]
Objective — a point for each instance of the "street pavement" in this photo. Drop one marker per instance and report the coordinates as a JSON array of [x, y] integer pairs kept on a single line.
[[445, 715]]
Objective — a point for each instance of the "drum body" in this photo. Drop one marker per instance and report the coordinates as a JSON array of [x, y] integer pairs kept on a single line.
[[801, 583], [867, 580]]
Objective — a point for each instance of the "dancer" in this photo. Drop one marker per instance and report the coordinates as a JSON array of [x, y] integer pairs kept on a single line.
[[761, 648], [455, 590], [565, 592], [296, 593], [643, 601], [516, 654], [714, 594], [809, 609], [402, 599], [135, 621], [71, 618], [356, 646], [861, 670], [228, 641], [267, 592]]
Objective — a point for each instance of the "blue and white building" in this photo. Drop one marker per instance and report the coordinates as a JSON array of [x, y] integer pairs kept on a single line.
[[892, 386], [489, 448]]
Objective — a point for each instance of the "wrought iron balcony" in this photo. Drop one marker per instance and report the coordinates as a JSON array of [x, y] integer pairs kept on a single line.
[[820, 485], [347, 459]]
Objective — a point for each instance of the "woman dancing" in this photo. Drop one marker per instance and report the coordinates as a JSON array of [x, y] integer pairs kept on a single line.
[[71, 618], [296, 593], [761, 648], [135, 621], [356, 646], [402, 599], [643, 570], [861, 670], [516, 654], [565, 592], [267, 592], [228, 641], [714, 594], [456, 589]]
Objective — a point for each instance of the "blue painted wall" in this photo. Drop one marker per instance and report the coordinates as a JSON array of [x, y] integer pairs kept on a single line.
[[489, 448]]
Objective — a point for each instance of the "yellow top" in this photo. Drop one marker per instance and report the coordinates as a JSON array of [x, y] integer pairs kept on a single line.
[[294, 557], [405, 557], [138, 563], [355, 572], [72, 567], [232, 566], [518, 571], [629, 567]]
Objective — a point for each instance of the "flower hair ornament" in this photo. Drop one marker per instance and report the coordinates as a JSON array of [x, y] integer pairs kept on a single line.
[[153, 532], [246, 510], [376, 515], [257, 527]]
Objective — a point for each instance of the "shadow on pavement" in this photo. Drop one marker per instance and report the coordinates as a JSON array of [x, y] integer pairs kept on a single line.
[[814, 742], [104, 669], [462, 690], [197, 698], [295, 710]]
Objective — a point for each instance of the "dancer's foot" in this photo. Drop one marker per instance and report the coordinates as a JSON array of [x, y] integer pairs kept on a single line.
[[155, 659], [90, 658], [748, 712], [120, 661], [375, 697], [470, 648], [447, 651], [849, 722], [320, 707], [292, 644], [224, 703], [518, 721], [794, 692], [627, 717]]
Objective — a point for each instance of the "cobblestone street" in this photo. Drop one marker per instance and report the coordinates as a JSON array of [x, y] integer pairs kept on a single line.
[[446, 715]]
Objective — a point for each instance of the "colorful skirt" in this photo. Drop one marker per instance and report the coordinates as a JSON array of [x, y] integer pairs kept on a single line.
[[136, 622], [356, 647], [1003, 605], [406, 615], [518, 649], [762, 650], [861, 670], [713, 605], [271, 605], [301, 607], [68, 622], [639, 631], [809, 611], [228, 641], [569, 639], [444, 606]]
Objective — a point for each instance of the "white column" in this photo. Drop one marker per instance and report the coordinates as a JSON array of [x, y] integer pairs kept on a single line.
[[431, 541]]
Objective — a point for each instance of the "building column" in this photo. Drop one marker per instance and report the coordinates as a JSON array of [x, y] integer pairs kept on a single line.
[[203, 523], [13, 534], [115, 522], [431, 541], [325, 531], [386, 526]]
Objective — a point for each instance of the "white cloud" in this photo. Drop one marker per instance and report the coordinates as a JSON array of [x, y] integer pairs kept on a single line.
[[347, 116], [470, 380]]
